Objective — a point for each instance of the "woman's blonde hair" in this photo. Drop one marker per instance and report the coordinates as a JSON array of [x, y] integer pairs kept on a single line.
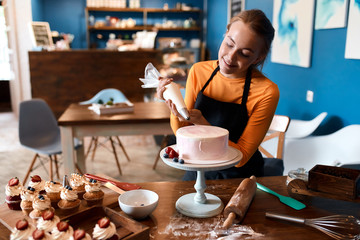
[[261, 25]]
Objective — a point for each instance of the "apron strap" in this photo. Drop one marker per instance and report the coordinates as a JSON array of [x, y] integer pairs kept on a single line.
[[246, 87], [211, 77]]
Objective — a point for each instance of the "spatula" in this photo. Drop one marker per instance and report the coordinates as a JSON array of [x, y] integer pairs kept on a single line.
[[291, 202]]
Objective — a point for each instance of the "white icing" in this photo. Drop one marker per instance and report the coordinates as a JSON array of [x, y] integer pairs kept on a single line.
[[87, 237], [22, 234], [56, 234], [47, 225], [13, 190], [27, 195], [68, 195], [41, 205], [200, 142], [92, 187], [52, 187], [76, 180], [104, 233], [37, 185]]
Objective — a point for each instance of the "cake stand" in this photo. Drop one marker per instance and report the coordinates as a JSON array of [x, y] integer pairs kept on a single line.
[[201, 204]]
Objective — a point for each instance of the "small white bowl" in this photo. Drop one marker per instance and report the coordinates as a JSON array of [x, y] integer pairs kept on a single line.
[[138, 203]]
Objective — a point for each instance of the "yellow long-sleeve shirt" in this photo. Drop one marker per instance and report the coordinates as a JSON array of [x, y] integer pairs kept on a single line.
[[261, 104]]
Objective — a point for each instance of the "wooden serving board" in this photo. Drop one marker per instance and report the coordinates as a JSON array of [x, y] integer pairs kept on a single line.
[[299, 189]]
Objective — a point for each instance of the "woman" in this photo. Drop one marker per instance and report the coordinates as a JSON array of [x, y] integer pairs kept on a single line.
[[232, 93]]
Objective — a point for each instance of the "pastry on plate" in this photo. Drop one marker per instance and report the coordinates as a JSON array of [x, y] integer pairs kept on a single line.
[[77, 182], [69, 200], [22, 230], [37, 183], [80, 234], [53, 190], [12, 193], [40, 204], [62, 231], [47, 221], [105, 229], [27, 198], [94, 195]]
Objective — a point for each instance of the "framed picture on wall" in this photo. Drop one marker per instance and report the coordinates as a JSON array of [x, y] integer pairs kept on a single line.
[[234, 7], [40, 34]]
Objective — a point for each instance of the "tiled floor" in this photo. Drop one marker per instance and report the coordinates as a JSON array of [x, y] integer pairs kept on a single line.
[[142, 150]]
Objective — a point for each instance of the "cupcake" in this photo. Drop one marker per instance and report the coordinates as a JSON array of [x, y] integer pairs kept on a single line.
[[37, 183], [80, 234], [27, 197], [94, 195], [62, 231], [23, 230], [39, 234], [40, 204], [53, 190], [12, 192], [47, 221], [77, 183], [105, 229], [69, 200]]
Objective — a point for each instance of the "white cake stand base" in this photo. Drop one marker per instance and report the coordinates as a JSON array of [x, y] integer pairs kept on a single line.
[[201, 204]]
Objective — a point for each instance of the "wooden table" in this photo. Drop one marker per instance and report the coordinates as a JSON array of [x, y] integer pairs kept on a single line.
[[166, 223], [148, 118]]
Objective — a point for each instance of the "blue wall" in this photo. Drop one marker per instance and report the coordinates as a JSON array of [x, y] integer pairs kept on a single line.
[[334, 80]]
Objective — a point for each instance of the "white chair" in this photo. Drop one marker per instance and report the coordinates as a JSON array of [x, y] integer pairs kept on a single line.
[[339, 148], [302, 128], [105, 95], [273, 158]]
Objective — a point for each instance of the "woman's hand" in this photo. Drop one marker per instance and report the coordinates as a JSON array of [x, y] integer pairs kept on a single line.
[[161, 88], [197, 118]]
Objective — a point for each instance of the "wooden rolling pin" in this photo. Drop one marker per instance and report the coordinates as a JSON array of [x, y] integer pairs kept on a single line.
[[239, 203]]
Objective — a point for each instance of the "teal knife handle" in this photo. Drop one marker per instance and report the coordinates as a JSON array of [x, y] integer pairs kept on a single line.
[[265, 189]]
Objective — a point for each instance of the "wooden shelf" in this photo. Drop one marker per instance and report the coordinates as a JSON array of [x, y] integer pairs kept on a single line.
[[139, 28], [160, 10]]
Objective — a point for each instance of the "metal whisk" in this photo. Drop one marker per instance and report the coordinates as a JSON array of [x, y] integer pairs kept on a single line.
[[341, 227]]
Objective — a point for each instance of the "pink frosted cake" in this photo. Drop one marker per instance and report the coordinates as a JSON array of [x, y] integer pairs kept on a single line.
[[201, 142]]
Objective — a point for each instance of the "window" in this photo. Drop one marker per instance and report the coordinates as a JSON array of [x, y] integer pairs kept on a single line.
[[5, 73]]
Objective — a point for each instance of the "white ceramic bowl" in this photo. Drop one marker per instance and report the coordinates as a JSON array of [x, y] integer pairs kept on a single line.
[[138, 203]]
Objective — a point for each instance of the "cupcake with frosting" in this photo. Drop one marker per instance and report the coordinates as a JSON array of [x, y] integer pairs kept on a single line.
[[48, 221], [27, 198], [40, 204], [37, 183], [39, 234], [62, 231], [94, 195], [80, 234], [12, 193], [77, 183], [105, 229], [23, 230], [69, 200], [53, 190]]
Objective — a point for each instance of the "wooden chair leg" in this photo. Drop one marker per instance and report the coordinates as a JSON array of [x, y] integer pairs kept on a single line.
[[78, 169], [30, 168], [116, 157], [163, 144], [56, 167], [94, 149], [123, 149], [89, 148], [51, 168]]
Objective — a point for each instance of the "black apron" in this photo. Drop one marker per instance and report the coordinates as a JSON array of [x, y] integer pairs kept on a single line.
[[234, 118]]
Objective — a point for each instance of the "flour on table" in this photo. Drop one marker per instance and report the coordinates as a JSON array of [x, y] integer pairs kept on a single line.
[[182, 227]]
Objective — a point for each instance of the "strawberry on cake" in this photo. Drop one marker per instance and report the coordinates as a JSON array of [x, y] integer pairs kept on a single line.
[[105, 229], [80, 234], [62, 231], [47, 221], [12, 191], [27, 197], [40, 235], [23, 230], [37, 183]]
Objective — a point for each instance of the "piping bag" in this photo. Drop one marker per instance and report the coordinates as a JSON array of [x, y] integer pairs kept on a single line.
[[172, 91]]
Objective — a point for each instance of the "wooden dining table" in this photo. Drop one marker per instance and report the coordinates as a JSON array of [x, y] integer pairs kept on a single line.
[[78, 121], [166, 223]]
